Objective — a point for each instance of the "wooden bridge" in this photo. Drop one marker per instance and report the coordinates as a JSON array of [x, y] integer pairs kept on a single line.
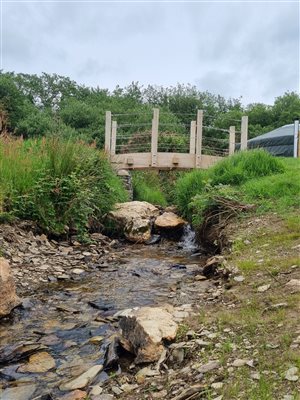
[[125, 156]]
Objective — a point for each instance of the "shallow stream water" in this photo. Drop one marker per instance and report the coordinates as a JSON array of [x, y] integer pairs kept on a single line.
[[63, 317]]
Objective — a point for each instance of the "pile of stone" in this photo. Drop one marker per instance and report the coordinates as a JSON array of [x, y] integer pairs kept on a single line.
[[138, 220], [35, 260]]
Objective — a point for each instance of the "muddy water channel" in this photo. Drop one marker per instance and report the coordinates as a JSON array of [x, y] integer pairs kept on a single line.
[[73, 321]]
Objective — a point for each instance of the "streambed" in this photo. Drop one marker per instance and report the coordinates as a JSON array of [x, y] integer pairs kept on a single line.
[[63, 319]]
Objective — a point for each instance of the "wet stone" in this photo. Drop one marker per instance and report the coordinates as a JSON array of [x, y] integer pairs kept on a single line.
[[38, 363], [75, 395], [83, 380], [23, 392]]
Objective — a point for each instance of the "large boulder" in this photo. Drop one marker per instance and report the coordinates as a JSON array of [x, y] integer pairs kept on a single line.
[[8, 296], [145, 330], [170, 225], [169, 220], [134, 219]]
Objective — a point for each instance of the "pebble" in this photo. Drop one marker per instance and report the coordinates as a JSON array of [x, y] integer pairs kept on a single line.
[[239, 278], [75, 395], [159, 395], [256, 376], [291, 374], [210, 366], [202, 343], [217, 385], [23, 392], [96, 339], [96, 390], [116, 390], [82, 380], [239, 362], [38, 363], [63, 276], [78, 271], [126, 387], [294, 285], [263, 288], [200, 278]]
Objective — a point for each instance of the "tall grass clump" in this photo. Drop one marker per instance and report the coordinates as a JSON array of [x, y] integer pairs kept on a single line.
[[147, 187], [189, 185], [245, 165], [62, 185]]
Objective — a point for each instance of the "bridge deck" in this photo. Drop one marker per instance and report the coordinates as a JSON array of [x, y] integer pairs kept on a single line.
[[163, 161]]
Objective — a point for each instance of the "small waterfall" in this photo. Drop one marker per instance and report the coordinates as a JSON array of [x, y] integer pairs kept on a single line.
[[188, 239]]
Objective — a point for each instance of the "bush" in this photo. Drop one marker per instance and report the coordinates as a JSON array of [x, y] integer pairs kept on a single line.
[[37, 123], [146, 187], [245, 165], [63, 185]]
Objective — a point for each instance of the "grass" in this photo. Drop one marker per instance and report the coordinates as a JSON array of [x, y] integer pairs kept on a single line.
[[62, 185], [253, 177], [245, 165], [147, 187]]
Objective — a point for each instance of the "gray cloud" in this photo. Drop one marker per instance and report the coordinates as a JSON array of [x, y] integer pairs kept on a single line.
[[233, 49]]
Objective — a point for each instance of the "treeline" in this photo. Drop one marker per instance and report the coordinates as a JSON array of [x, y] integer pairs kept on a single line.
[[33, 106]]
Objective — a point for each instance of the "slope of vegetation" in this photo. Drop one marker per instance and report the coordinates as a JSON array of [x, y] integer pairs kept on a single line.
[[250, 177], [65, 186]]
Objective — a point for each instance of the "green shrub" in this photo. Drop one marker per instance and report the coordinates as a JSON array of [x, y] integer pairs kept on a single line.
[[62, 185], [147, 187], [245, 165]]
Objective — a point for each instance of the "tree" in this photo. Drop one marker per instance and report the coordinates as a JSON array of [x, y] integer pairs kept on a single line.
[[12, 100], [286, 109]]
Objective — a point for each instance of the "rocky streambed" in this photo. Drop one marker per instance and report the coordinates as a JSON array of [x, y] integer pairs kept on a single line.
[[61, 343]]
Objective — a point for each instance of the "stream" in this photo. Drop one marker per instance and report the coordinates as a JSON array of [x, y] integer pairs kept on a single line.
[[72, 321]]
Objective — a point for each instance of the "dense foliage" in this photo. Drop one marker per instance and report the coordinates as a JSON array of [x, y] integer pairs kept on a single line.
[[64, 186], [35, 106]]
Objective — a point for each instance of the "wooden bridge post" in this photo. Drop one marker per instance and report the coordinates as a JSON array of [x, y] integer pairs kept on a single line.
[[107, 143], [231, 140], [193, 137], [113, 137], [154, 137], [199, 138], [244, 133]]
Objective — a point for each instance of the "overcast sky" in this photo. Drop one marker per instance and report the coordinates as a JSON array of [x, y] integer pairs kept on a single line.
[[228, 48]]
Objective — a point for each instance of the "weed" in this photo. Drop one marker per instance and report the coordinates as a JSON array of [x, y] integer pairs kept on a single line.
[[182, 331], [63, 185]]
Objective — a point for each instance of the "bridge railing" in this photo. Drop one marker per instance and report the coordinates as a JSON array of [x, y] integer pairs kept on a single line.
[[142, 145]]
